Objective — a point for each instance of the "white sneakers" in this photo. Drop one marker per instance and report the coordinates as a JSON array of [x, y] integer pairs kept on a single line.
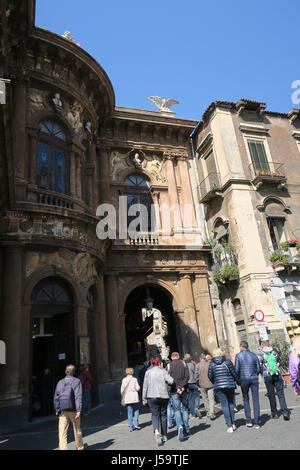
[[158, 438], [230, 430]]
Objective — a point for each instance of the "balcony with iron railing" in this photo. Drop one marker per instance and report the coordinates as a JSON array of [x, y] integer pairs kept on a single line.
[[267, 173], [209, 187]]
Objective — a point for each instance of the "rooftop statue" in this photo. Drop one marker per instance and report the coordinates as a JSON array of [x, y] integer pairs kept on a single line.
[[163, 104]]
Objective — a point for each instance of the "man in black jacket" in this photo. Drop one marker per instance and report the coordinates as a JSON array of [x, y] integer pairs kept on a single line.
[[178, 370]]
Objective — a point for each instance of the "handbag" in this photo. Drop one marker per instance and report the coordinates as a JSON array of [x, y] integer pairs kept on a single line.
[[123, 394]]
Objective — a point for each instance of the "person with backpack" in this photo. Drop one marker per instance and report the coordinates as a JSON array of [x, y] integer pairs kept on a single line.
[[130, 398], [222, 374], [248, 368], [178, 370], [270, 365], [294, 363], [67, 405], [194, 395]]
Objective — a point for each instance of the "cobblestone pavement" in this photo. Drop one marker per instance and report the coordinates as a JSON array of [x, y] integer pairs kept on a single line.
[[106, 428]]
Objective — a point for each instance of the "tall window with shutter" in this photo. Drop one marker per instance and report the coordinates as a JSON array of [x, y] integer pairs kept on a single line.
[[258, 155]]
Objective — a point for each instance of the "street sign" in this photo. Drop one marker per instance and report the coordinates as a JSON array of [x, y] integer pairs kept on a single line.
[[263, 333], [259, 324], [2, 92], [259, 315]]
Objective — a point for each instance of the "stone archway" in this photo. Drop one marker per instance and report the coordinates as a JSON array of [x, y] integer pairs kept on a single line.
[[52, 346], [150, 324]]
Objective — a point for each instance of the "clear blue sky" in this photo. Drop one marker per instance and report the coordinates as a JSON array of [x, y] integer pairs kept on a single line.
[[195, 51]]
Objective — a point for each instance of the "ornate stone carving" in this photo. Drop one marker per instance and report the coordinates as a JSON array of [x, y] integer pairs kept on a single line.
[[136, 159], [67, 35], [81, 266], [36, 101], [155, 169], [74, 117], [57, 102], [117, 163]]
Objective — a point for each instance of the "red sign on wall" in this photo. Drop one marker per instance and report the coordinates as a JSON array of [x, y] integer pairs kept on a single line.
[[259, 315]]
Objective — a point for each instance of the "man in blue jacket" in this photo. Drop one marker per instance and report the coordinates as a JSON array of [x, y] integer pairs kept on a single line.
[[248, 368]]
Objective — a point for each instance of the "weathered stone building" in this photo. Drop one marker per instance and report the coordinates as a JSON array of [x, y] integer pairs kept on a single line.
[[66, 295], [248, 162]]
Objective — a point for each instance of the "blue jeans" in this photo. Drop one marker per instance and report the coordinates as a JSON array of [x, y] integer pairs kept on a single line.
[[86, 400], [226, 399], [246, 385], [193, 394], [169, 414], [181, 410], [133, 411]]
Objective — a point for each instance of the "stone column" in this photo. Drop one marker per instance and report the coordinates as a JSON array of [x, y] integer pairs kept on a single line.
[[182, 332], [78, 177], [10, 326], [204, 313], [157, 212], [113, 327], [72, 173], [32, 166], [187, 196], [93, 189], [122, 320], [104, 176], [189, 317], [176, 220], [103, 370], [82, 331], [20, 143]]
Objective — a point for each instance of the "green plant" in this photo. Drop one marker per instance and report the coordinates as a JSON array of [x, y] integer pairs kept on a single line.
[[217, 277], [228, 248], [279, 256], [212, 242], [282, 347], [229, 271], [284, 246], [298, 246], [225, 273]]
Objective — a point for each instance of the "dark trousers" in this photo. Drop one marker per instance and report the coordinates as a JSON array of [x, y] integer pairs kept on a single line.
[[275, 382], [158, 408], [246, 385], [226, 399]]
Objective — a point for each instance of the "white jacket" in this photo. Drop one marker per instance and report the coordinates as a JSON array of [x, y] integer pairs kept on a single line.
[[129, 390]]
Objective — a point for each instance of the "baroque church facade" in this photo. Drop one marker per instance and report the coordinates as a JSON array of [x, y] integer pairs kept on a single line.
[[68, 296]]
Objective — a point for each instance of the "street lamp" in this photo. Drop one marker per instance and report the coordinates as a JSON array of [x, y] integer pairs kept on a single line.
[[149, 301]]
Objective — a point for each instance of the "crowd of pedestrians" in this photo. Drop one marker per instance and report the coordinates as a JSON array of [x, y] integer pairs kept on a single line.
[[172, 391]]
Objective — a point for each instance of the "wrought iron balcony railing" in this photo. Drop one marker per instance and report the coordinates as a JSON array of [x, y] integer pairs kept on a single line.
[[268, 172], [209, 187]]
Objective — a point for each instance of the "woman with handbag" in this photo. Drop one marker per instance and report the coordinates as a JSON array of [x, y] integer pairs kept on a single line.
[[130, 398], [156, 395], [222, 374]]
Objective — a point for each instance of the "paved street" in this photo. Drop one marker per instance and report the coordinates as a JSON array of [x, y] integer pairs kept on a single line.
[[106, 428]]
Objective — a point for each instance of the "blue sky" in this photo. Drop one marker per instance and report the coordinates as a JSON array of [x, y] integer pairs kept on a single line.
[[195, 51]]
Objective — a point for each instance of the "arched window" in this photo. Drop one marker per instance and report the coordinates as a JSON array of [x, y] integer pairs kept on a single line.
[[51, 158], [138, 193]]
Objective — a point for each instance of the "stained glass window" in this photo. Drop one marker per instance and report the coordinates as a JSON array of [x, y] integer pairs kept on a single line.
[[51, 128]]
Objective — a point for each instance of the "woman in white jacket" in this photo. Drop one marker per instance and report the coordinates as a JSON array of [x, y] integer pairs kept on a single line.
[[130, 398]]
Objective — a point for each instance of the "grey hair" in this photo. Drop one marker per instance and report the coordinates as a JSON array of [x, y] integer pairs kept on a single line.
[[70, 370]]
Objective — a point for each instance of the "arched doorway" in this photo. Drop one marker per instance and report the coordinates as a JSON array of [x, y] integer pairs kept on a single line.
[[150, 324], [52, 341]]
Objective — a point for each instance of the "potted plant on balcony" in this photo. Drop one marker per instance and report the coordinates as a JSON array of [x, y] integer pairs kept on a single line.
[[279, 260], [282, 347], [293, 243], [227, 273]]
